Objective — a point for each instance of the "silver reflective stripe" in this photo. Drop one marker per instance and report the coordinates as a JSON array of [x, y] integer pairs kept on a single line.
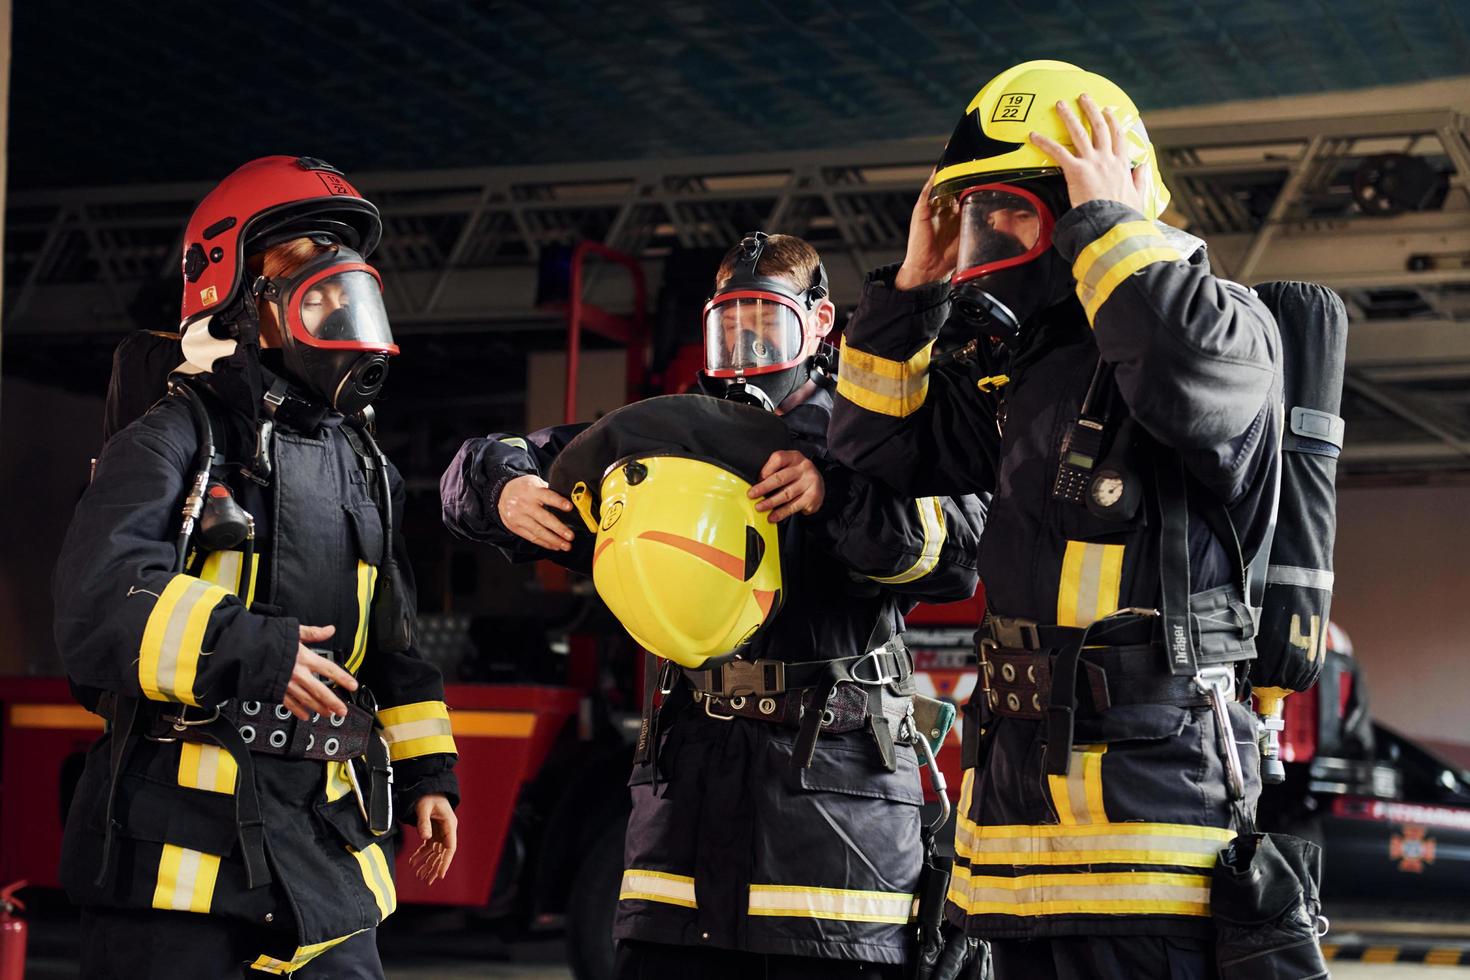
[[839, 904], [184, 881], [1306, 578], [657, 886], [173, 636], [931, 519]]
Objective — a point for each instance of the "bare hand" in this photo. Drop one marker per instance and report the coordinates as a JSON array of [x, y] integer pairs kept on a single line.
[[523, 510], [439, 838], [934, 242], [1097, 169], [791, 481], [305, 694]]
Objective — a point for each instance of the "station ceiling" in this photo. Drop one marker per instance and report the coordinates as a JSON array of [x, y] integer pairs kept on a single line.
[[142, 91]]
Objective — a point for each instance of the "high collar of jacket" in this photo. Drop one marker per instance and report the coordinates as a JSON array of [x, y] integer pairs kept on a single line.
[[807, 422]]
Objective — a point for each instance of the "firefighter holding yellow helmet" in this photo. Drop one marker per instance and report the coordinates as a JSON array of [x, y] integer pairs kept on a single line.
[[775, 828]]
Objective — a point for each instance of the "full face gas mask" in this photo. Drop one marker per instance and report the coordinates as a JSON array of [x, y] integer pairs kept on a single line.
[[335, 335], [1006, 270], [754, 332]]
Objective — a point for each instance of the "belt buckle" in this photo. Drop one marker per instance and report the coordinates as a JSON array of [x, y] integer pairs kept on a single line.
[[180, 723], [880, 677], [748, 677]]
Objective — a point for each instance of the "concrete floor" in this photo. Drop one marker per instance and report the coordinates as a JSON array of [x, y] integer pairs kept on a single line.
[[428, 945]]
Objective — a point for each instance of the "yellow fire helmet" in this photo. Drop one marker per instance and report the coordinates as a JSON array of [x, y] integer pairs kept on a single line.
[[992, 142], [682, 558]]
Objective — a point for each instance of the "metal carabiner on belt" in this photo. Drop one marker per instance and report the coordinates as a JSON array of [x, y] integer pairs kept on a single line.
[[1218, 683]]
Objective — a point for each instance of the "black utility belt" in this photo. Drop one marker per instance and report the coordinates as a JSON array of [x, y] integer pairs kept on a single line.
[[845, 711], [889, 664], [832, 696], [270, 729], [1018, 683]]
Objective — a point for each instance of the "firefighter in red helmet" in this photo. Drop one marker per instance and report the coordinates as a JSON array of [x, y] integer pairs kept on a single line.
[[268, 712]]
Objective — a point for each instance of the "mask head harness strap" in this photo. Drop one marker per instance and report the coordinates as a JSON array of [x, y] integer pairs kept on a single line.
[[744, 276]]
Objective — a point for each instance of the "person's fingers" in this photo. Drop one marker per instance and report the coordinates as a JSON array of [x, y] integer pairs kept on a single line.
[[779, 460], [1063, 156], [295, 707], [1116, 134], [1143, 179], [773, 483], [326, 668], [316, 634], [530, 530], [550, 498], [317, 696], [552, 523], [1100, 137], [426, 823], [1081, 142]]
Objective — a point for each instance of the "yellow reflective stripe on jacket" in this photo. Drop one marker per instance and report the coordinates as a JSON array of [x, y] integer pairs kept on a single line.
[[657, 886], [1078, 795], [185, 880], [378, 877], [1124, 250], [339, 784], [1092, 575], [173, 637], [367, 577], [839, 904], [224, 569], [895, 388], [1082, 893], [417, 729], [931, 518], [1181, 845], [207, 767], [302, 956]]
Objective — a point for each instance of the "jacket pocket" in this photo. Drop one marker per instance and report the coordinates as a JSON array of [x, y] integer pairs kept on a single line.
[[344, 817], [367, 531], [147, 810], [838, 840]]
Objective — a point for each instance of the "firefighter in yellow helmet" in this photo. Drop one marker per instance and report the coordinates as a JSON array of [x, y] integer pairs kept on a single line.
[[775, 827], [1048, 340]]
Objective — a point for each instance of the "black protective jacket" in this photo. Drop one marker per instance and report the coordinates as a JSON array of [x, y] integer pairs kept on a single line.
[[733, 847], [1124, 843], [127, 624]]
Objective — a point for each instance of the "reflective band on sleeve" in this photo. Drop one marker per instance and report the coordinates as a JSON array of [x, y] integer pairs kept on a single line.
[[207, 767], [367, 577], [894, 388], [1124, 250], [168, 658], [1078, 795], [1182, 845], [1305, 578], [1112, 893], [185, 880], [517, 442], [931, 518], [302, 956], [417, 729], [657, 886], [378, 878], [1092, 576], [839, 904]]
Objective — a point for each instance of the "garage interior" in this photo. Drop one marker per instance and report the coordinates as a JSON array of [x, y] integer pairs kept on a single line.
[[1313, 141]]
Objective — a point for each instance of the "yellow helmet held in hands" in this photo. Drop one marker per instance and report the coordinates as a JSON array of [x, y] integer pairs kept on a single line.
[[683, 559], [992, 142]]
